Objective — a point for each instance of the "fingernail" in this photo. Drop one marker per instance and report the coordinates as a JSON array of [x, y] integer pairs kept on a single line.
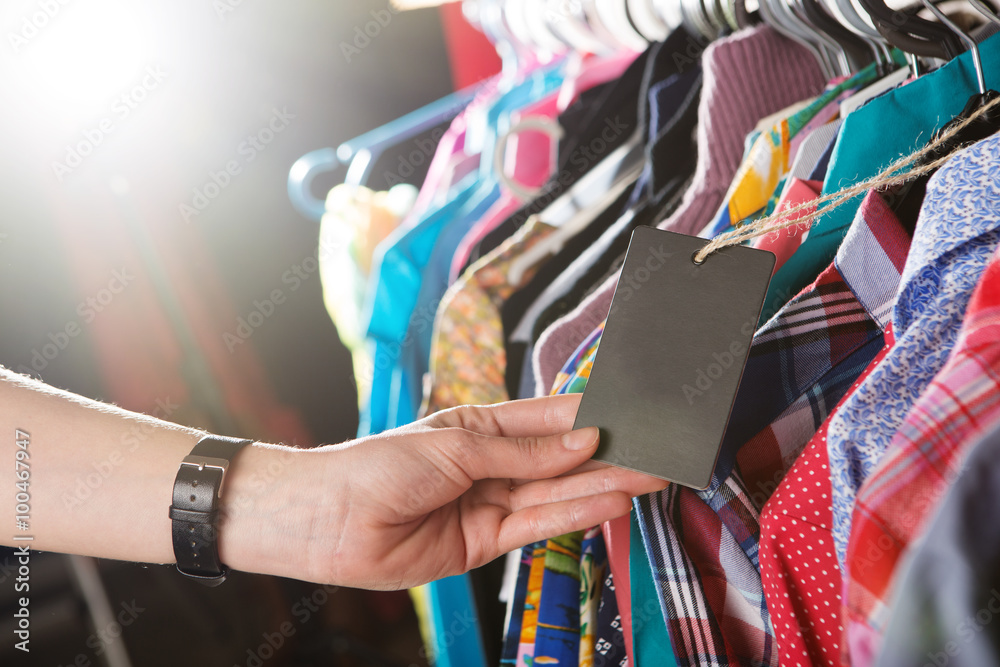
[[581, 438]]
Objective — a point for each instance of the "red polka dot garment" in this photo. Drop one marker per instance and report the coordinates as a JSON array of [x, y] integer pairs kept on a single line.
[[798, 565]]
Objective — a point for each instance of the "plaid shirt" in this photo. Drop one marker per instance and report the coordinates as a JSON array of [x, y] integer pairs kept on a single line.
[[704, 544], [957, 234], [772, 152], [797, 561], [923, 459]]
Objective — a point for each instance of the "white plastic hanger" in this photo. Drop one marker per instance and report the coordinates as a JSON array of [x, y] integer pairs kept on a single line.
[[647, 21], [600, 29], [566, 19], [578, 207], [885, 83], [539, 29], [547, 126], [513, 13], [528, 25], [669, 12], [614, 14]]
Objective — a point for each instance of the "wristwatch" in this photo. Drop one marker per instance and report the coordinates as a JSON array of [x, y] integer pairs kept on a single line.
[[195, 508]]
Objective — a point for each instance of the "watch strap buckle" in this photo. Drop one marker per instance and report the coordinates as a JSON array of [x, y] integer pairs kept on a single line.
[[194, 512]]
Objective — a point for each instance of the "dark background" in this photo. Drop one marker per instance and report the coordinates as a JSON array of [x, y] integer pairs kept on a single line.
[[226, 65], [224, 73]]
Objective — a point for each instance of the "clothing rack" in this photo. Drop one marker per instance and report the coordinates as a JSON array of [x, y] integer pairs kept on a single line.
[[873, 371]]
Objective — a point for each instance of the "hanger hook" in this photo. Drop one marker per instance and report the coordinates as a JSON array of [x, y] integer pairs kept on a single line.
[[971, 43], [983, 9]]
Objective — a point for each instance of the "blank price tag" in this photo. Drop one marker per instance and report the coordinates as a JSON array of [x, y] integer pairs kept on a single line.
[[672, 354]]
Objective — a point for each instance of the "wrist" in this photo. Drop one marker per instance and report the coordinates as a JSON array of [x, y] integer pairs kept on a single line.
[[268, 508], [242, 503]]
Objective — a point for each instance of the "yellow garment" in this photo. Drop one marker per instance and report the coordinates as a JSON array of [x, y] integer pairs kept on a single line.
[[591, 585], [767, 161], [357, 219], [767, 122]]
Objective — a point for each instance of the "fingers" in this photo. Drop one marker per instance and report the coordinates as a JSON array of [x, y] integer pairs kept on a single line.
[[603, 480], [548, 415], [544, 521], [527, 457]]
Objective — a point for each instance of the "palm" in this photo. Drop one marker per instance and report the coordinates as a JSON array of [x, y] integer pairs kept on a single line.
[[465, 491], [425, 523]]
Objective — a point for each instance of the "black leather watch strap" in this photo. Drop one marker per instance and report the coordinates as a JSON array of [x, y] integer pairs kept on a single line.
[[195, 508]]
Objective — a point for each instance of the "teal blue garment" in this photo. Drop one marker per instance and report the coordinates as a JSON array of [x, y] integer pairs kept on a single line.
[[651, 645], [397, 281], [452, 598], [397, 275], [406, 386], [456, 641], [400, 260], [406, 389], [871, 138], [452, 601]]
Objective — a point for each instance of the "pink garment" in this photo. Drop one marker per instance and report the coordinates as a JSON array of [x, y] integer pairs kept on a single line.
[[749, 75], [451, 144], [529, 153], [785, 242], [617, 538], [528, 160], [524, 149], [472, 56]]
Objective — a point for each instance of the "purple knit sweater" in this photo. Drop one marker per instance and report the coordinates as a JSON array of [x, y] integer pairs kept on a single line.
[[747, 76]]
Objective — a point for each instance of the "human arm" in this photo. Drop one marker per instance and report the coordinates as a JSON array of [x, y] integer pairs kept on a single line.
[[435, 498]]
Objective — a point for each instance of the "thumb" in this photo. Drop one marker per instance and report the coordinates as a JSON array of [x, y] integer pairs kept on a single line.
[[528, 457]]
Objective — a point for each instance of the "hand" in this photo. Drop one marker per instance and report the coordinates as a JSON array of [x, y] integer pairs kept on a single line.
[[441, 496], [436, 498]]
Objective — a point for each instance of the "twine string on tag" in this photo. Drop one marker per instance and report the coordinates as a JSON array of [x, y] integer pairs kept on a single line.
[[887, 178]]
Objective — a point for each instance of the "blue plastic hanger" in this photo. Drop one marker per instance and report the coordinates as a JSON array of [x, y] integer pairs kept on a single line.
[[361, 152]]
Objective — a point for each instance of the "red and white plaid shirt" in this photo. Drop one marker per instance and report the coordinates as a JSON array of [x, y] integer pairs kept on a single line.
[[895, 503]]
